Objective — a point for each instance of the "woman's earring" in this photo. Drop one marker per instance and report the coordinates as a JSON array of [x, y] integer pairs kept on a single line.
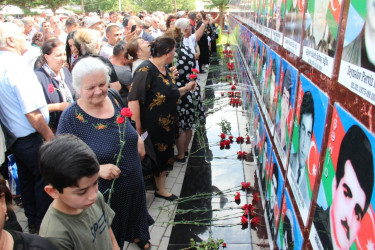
[[6, 217]]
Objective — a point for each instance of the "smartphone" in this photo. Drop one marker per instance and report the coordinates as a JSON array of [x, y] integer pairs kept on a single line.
[[133, 28]]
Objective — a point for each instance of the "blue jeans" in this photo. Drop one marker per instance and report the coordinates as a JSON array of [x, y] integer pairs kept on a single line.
[[34, 199]]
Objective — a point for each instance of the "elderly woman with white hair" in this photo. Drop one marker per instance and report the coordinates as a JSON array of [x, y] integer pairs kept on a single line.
[[190, 39], [94, 119], [87, 41]]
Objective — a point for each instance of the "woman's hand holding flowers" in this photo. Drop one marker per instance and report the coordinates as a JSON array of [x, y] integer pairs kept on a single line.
[[191, 85], [109, 171]]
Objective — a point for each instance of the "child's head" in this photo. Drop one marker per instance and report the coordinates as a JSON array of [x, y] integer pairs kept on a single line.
[[65, 160], [71, 170]]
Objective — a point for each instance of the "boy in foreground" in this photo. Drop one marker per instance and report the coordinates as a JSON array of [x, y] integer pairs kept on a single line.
[[78, 218]]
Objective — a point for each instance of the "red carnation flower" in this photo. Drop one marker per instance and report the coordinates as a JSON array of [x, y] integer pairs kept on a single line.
[[256, 197], [237, 197], [227, 143], [244, 207], [224, 244], [195, 71], [193, 76], [239, 138], [245, 185], [231, 137], [245, 212], [120, 120], [244, 221], [222, 144], [251, 210], [222, 135], [126, 112], [233, 87], [51, 88], [255, 221]]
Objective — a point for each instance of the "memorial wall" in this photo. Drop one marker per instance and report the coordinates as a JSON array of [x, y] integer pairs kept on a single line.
[[307, 70]]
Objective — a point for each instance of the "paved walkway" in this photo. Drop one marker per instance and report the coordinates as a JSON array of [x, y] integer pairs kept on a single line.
[[160, 232]]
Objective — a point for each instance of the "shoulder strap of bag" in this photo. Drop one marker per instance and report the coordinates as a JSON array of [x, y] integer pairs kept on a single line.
[[117, 97]]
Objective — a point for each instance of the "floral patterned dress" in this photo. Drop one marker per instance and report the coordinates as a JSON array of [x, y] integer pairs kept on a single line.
[[158, 96], [189, 108], [129, 197]]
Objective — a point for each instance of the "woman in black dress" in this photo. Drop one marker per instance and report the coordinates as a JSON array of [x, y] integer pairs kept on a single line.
[[153, 100], [204, 56]]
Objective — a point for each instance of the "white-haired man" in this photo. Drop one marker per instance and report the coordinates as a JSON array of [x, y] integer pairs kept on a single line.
[[24, 115]]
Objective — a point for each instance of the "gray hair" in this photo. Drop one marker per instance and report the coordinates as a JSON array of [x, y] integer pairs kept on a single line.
[[7, 30], [182, 23], [88, 41], [87, 66], [137, 20]]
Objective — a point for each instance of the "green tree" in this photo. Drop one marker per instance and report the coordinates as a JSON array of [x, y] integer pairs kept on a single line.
[[94, 5], [221, 5], [49, 4], [165, 5]]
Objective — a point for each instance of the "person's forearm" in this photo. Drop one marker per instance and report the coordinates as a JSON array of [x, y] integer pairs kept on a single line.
[[134, 107], [36, 120], [199, 32], [115, 245], [61, 106], [183, 90]]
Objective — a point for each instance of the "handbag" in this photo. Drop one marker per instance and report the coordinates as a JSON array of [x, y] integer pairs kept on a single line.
[[149, 162]]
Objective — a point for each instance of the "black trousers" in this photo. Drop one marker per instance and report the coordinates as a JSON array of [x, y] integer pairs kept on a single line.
[[34, 199]]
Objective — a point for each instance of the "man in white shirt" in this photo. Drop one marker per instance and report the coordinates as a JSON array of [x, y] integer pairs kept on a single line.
[[24, 114], [114, 35], [155, 31], [190, 39]]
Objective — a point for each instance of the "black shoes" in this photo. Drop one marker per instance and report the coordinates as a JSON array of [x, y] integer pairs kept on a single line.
[[172, 197], [180, 161]]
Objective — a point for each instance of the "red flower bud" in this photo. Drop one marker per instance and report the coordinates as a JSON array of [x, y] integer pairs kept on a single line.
[[224, 244]]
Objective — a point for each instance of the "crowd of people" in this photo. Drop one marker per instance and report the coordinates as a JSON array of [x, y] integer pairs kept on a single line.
[[61, 123]]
